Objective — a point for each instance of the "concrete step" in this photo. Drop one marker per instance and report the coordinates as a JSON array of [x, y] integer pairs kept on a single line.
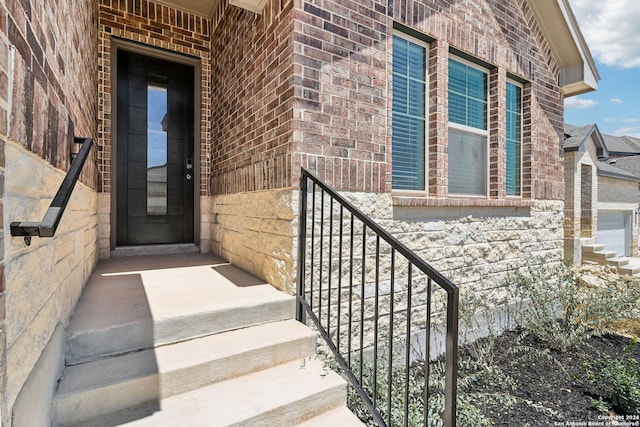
[[618, 261], [285, 395], [127, 308], [606, 254], [591, 248], [115, 384], [600, 256], [630, 270], [342, 417]]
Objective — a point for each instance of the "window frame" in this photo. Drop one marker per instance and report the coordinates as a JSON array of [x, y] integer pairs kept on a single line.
[[426, 45], [521, 142], [484, 133]]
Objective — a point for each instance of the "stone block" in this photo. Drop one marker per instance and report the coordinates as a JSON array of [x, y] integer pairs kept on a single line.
[[25, 350]]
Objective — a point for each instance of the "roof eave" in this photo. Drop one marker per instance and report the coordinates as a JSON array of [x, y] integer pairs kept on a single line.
[[578, 72], [614, 175]]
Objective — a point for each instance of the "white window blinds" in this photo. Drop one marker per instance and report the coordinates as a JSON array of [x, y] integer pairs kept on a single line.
[[409, 115]]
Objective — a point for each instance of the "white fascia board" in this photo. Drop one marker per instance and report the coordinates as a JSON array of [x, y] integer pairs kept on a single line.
[[578, 72]]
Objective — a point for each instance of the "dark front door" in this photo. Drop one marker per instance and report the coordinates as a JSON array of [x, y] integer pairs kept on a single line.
[[155, 172]]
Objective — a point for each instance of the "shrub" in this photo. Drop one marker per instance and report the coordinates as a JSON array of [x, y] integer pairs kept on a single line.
[[468, 413], [559, 311], [615, 382]]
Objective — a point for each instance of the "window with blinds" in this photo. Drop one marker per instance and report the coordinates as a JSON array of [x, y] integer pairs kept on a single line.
[[468, 164], [409, 114], [514, 140]]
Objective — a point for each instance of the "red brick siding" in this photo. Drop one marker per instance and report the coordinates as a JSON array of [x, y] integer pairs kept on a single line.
[[252, 97], [54, 80], [341, 68], [342, 78], [159, 26]]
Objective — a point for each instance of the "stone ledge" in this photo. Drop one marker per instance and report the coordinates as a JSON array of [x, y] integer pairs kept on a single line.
[[460, 202]]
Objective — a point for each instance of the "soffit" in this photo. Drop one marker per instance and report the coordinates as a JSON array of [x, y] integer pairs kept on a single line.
[[205, 8], [202, 8], [578, 73]]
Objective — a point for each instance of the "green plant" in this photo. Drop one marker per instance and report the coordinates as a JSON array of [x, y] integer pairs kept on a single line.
[[559, 311], [616, 382], [468, 414]]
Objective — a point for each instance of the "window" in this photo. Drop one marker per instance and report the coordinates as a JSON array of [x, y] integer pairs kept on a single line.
[[468, 161], [514, 140], [409, 114]]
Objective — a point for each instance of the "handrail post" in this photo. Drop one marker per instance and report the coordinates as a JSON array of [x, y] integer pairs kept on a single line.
[[302, 237], [451, 367]]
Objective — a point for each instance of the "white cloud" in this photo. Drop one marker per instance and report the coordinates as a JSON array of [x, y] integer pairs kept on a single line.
[[621, 120], [611, 30], [628, 131], [579, 104], [616, 100]]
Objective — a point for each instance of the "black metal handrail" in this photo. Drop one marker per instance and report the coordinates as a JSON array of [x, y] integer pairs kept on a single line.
[[322, 286], [49, 224]]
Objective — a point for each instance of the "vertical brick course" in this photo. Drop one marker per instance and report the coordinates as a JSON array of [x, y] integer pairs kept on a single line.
[[497, 133]]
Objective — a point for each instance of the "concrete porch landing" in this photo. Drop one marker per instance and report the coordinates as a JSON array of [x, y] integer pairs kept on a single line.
[[190, 339], [138, 302]]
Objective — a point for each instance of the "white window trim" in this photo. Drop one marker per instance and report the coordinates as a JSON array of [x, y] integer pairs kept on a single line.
[[427, 48], [521, 86], [475, 131]]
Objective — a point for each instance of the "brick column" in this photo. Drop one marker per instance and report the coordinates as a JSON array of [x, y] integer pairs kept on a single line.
[[497, 133], [527, 134], [438, 119]]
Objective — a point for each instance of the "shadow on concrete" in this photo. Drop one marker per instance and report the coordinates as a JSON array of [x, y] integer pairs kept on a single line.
[[238, 277]]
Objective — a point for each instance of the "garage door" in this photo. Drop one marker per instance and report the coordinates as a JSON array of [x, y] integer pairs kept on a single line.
[[614, 231]]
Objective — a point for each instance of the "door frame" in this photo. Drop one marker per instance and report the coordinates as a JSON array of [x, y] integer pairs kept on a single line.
[[195, 62]]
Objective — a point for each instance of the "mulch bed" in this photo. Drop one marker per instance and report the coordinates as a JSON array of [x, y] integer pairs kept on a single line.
[[543, 382]]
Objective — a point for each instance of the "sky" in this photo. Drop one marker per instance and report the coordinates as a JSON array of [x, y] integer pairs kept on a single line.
[[612, 31]]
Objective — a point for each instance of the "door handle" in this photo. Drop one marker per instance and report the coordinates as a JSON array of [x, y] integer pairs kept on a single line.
[[189, 163]]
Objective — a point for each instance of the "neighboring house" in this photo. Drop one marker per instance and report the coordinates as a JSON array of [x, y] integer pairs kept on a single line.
[[444, 122], [601, 191]]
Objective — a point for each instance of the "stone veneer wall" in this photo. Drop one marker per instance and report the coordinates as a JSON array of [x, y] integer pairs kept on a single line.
[[48, 62], [160, 26], [476, 249], [257, 232]]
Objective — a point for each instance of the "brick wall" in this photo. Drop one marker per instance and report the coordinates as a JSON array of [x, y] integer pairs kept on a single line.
[[342, 55], [341, 105], [612, 190], [161, 26], [53, 81], [251, 81]]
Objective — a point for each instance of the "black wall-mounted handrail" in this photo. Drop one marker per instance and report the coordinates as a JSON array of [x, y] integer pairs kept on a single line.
[[47, 227]]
